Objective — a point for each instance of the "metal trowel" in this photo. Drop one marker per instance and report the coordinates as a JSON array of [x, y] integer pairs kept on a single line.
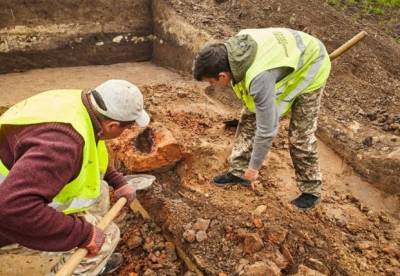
[[140, 181]]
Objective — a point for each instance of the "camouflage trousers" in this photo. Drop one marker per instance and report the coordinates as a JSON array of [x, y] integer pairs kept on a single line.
[[88, 266], [302, 142]]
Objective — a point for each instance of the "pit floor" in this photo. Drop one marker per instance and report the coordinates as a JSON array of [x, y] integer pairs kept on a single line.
[[17, 86]]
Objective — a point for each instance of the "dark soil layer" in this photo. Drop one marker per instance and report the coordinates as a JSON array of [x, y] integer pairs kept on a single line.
[[38, 34]]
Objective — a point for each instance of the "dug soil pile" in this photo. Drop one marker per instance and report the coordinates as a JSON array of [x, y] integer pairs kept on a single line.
[[239, 231]]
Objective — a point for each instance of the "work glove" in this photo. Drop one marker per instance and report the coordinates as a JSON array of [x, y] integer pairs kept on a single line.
[[96, 242], [127, 191]]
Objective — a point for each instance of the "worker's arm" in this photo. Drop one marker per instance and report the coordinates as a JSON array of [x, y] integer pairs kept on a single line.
[[262, 88], [120, 185], [267, 117], [114, 178], [47, 157]]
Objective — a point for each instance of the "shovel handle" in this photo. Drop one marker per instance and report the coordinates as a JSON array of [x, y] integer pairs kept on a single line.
[[350, 43], [81, 253]]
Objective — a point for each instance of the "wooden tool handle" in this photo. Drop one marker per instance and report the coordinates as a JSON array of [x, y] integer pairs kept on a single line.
[[81, 253], [138, 208], [348, 45]]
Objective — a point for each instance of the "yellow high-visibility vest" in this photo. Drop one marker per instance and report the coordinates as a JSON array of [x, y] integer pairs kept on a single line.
[[280, 47], [65, 106]]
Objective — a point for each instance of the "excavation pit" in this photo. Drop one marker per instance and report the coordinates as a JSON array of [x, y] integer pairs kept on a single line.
[[354, 231]]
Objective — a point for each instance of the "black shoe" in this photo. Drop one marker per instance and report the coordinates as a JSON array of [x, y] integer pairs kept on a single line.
[[223, 180], [113, 263], [306, 201]]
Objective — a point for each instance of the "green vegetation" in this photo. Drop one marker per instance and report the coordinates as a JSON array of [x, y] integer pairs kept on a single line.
[[377, 7], [383, 13]]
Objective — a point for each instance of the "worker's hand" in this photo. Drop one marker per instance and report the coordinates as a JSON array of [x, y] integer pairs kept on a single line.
[[127, 191], [96, 242], [251, 175]]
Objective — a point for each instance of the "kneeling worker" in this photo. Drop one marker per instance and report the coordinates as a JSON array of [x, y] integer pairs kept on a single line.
[[272, 71], [54, 172]]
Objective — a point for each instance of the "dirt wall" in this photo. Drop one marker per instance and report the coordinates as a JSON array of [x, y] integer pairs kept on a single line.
[[373, 154], [37, 34], [175, 36]]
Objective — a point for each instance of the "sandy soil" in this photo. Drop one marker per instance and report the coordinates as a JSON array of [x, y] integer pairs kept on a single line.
[[17, 86]]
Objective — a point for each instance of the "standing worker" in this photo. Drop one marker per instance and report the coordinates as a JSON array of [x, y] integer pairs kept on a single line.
[[272, 71], [54, 173]]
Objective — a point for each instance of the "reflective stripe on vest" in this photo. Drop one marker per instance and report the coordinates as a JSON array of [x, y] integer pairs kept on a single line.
[[305, 54], [3, 172], [315, 67], [65, 106], [302, 48], [75, 203]]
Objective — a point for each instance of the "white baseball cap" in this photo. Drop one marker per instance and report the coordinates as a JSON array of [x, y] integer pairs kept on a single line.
[[121, 101]]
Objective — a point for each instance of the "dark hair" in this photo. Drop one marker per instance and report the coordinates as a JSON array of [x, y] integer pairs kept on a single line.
[[210, 61]]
